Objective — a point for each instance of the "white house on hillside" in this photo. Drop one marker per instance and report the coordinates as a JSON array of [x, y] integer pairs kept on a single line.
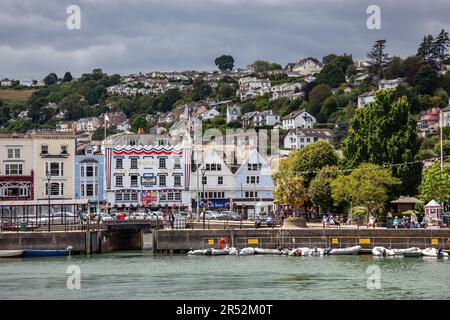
[[300, 138], [298, 119], [366, 98], [233, 113]]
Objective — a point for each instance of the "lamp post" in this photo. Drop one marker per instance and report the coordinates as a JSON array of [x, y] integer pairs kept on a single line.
[[203, 170], [49, 189]]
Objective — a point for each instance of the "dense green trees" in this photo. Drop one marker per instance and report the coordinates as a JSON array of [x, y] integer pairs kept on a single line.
[[331, 75], [384, 132], [426, 80], [67, 77], [320, 191], [378, 61], [435, 184], [434, 50], [51, 79], [201, 89], [224, 62], [367, 186]]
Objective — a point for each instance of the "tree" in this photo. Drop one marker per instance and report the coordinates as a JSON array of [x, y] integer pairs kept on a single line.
[[426, 48], [351, 71], [225, 91], [290, 191], [440, 48], [331, 75], [384, 132], [394, 69], [317, 96], [378, 60], [426, 80], [367, 186], [224, 62], [444, 82], [319, 190], [410, 67], [51, 79], [201, 89], [308, 161], [445, 148], [67, 77], [137, 122], [435, 184], [330, 58], [344, 61]]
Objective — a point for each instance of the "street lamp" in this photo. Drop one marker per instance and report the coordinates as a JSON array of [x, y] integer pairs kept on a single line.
[[49, 189], [203, 170]]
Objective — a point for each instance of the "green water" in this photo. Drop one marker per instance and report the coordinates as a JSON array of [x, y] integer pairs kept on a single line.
[[140, 275]]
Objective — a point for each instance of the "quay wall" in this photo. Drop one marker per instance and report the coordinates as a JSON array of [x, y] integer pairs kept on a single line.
[[101, 241], [183, 240]]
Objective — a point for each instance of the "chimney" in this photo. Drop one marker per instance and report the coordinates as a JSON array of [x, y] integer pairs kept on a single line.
[[141, 131]]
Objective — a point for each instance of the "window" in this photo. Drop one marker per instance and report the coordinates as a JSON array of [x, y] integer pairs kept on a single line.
[[162, 197], [63, 149], [134, 196], [219, 167], [13, 169], [204, 180], [56, 189], [219, 180], [56, 169], [134, 163], [208, 167], [177, 181], [89, 190], [14, 153], [119, 181], [213, 167], [134, 180], [44, 149], [162, 163], [119, 163], [170, 196], [126, 197], [162, 180], [119, 196], [176, 163], [177, 196]]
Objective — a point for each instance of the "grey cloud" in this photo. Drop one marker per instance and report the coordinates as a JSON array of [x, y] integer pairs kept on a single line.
[[126, 36]]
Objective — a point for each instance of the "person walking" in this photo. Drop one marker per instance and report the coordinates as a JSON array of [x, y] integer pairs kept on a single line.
[[171, 220]]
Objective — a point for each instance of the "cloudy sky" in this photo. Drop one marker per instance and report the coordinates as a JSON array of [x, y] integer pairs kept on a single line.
[[127, 36]]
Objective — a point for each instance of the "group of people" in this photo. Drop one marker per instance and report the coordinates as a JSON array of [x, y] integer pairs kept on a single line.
[[331, 220], [409, 222]]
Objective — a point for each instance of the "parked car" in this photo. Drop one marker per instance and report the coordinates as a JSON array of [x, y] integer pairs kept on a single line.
[[154, 215], [231, 215], [209, 215], [137, 216]]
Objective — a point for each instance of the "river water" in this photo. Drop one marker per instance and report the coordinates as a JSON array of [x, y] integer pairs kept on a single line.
[[142, 275]]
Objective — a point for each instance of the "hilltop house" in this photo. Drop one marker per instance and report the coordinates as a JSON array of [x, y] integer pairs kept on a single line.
[[390, 84], [209, 114], [233, 113], [307, 66], [366, 98], [298, 119], [300, 138]]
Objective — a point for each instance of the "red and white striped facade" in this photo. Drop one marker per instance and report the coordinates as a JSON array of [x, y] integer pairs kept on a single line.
[[132, 171]]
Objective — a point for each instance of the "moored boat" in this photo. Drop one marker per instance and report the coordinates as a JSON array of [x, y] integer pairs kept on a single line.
[[197, 252], [412, 252], [219, 252], [247, 251], [346, 251], [299, 252], [382, 251], [316, 252], [46, 253], [267, 251], [10, 253], [433, 252]]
